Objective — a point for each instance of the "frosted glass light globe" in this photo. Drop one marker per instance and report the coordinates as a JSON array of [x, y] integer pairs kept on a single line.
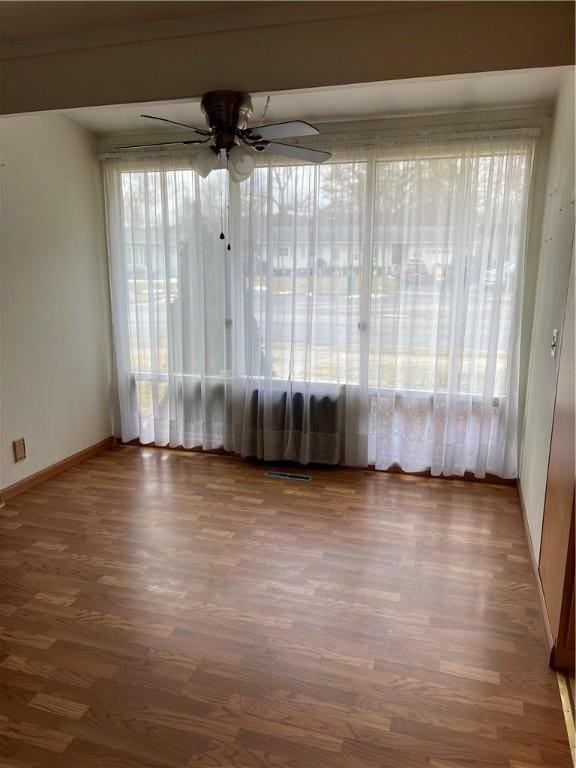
[[240, 162], [204, 161]]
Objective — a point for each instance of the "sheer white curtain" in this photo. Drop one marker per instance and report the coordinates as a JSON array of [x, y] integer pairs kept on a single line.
[[367, 312], [445, 331], [169, 278], [300, 235]]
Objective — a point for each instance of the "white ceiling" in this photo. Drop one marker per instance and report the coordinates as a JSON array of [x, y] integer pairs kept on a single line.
[[456, 93]]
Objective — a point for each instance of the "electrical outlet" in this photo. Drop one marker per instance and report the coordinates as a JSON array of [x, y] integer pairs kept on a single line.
[[19, 448]]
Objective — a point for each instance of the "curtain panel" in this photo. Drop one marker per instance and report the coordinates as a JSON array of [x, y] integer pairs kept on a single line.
[[368, 310]]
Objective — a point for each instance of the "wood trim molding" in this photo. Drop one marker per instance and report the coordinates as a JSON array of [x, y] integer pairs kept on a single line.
[[563, 652], [568, 710], [548, 636], [54, 469]]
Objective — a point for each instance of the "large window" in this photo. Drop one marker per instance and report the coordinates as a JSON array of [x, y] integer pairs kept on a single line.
[[392, 275]]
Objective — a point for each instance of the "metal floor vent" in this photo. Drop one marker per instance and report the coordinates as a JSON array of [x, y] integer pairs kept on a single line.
[[288, 476]]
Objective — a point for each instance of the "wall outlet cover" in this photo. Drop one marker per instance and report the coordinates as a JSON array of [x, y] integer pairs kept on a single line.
[[19, 448]]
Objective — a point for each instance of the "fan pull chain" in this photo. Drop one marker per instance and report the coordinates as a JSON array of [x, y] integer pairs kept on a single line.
[[222, 235], [228, 248]]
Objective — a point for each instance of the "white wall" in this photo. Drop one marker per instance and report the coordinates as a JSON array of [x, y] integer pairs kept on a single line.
[[55, 346], [551, 288]]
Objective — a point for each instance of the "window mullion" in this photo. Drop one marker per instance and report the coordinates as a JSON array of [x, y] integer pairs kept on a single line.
[[365, 284]]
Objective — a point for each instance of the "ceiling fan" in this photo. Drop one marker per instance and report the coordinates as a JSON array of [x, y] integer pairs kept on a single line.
[[227, 114]]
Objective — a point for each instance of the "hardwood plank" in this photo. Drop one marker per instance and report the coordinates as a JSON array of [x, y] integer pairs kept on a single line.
[[53, 741], [59, 706]]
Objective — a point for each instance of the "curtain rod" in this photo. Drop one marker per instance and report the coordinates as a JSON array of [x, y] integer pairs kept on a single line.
[[366, 139]]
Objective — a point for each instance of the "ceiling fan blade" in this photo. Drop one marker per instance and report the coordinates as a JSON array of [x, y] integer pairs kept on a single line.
[[162, 144], [201, 131], [298, 153], [280, 131]]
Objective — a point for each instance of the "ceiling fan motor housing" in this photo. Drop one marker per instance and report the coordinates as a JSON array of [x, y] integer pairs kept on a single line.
[[226, 112]]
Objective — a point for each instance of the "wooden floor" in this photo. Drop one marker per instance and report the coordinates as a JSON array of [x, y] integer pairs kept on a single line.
[[159, 609]]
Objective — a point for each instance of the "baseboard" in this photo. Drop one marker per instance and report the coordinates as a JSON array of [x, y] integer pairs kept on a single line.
[[54, 469], [394, 470], [548, 636]]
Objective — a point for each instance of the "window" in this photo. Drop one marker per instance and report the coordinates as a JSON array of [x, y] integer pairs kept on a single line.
[[306, 309], [392, 275]]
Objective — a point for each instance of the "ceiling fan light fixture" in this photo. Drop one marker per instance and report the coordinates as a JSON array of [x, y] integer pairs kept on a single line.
[[204, 161], [240, 163], [227, 114]]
